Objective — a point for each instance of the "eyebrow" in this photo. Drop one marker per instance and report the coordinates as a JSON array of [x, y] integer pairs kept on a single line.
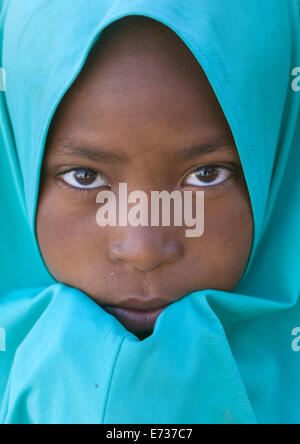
[[219, 143], [90, 153]]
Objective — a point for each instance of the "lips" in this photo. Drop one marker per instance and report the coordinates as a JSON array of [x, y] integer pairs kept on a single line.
[[135, 320]]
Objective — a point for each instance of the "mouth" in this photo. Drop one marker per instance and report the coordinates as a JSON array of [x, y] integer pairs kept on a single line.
[[136, 321]]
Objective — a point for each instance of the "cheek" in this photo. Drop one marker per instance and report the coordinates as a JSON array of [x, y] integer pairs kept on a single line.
[[223, 251], [68, 236]]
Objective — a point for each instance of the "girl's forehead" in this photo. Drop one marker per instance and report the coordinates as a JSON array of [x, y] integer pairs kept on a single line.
[[141, 46], [138, 33], [122, 89], [128, 126]]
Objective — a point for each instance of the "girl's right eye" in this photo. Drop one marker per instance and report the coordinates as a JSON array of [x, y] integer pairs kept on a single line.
[[84, 179]]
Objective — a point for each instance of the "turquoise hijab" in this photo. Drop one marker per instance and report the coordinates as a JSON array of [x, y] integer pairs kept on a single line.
[[63, 359]]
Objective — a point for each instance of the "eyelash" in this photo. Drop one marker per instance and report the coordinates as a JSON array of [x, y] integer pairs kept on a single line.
[[65, 184], [233, 170]]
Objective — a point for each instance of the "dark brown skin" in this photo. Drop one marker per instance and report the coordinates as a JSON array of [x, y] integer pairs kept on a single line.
[[142, 95]]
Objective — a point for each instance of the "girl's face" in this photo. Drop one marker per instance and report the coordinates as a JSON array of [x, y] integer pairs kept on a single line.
[[143, 113]]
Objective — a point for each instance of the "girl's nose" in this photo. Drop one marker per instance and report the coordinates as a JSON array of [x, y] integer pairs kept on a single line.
[[145, 248]]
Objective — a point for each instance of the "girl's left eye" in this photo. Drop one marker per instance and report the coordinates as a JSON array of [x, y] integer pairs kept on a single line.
[[84, 178], [208, 176]]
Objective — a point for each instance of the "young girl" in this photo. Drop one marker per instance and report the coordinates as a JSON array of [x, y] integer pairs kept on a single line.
[[134, 324]]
